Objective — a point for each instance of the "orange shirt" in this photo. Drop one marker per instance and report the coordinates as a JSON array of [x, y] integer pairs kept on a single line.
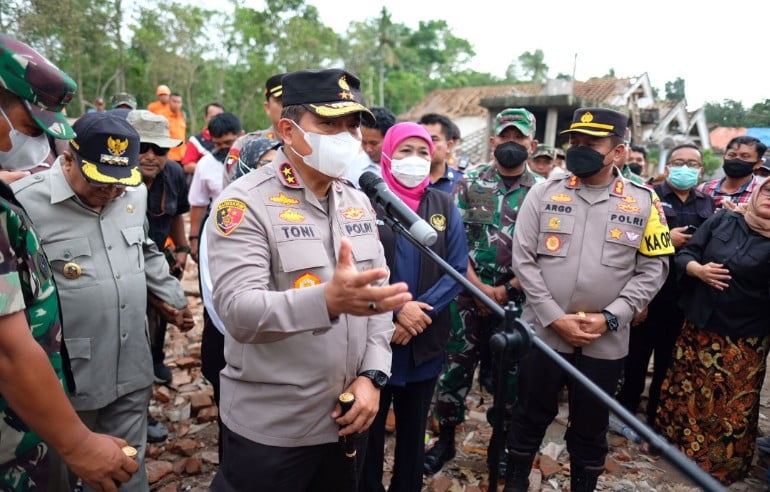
[[158, 107], [177, 127]]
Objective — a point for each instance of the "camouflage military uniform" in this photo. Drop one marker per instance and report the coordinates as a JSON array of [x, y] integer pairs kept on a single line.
[[489, 212], [26, 284]]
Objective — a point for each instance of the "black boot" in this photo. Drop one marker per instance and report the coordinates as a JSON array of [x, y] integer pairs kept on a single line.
[[517, 474], [584, 479], [441, 452]]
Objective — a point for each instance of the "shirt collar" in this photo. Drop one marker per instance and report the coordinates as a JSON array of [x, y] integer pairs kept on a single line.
[[60, 188]]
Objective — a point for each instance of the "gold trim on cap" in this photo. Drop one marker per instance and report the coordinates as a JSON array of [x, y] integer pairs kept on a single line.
[[333, 110], [593, 125], [92, 172]]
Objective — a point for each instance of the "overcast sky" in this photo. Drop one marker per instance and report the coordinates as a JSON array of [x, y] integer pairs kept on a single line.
[[719, 52]]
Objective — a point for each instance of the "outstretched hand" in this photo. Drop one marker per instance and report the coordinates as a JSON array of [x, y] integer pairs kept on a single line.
[[352, 292]]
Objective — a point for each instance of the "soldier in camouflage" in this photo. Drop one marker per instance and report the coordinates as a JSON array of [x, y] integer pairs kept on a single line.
[[36, 417], [488, 198]]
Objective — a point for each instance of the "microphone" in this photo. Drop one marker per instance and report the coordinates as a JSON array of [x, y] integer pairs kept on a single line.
[[377, 190]]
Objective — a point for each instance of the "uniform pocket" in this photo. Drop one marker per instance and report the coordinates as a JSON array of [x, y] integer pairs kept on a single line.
[[72, 259], [134, 237], [302, 255], [79, 350]]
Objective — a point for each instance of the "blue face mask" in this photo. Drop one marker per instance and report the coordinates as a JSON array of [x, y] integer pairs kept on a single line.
[[683, 178]]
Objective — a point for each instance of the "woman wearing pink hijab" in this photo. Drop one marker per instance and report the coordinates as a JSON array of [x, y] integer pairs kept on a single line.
[[422, 325]]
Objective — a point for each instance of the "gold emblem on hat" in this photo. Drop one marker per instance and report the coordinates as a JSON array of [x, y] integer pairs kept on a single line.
[[587, 117], [116, 146], [72, 271], [344, 84], [130, 208]]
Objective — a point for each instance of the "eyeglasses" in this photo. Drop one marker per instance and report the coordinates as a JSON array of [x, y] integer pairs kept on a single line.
[[146, 146], [681, 162], [765, 191]]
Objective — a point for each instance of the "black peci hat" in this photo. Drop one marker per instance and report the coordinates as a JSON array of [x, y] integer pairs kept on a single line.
[[273, 86]]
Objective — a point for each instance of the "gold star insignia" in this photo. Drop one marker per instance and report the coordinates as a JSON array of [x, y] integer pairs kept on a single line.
[[287, 171], [615, 233], [290, 179]]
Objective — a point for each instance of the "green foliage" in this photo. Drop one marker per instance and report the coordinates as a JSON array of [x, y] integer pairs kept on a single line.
[[226, 54], [711, 162], [533, 65], [728, 113], [675, 89]]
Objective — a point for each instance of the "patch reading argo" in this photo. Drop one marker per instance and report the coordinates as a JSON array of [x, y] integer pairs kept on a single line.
[[229, 215]]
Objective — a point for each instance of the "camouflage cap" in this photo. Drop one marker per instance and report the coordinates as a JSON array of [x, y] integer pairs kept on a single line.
[[518, 117], [123, 100], [44, 89], [543, 151]]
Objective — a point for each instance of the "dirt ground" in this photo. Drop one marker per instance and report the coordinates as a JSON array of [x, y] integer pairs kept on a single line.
[[188, 460]]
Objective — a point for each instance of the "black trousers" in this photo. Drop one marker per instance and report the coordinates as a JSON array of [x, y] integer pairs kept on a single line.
[[540, 381], [248, 466], [411, 405], [656, 335], [212, 363]]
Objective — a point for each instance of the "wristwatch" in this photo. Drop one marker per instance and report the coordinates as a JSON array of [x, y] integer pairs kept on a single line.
[[514, 294], [612, 320], [379, 379]]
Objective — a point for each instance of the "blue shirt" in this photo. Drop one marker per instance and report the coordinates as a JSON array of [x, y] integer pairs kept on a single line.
[[407, 269], [446, 183]]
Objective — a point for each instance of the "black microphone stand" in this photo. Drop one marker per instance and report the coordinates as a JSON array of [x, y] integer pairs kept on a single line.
[[515, 340]]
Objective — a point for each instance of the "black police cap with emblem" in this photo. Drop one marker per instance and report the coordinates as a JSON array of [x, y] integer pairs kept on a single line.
[[328, 93], [273, 86], [598, 122], [107, 149]]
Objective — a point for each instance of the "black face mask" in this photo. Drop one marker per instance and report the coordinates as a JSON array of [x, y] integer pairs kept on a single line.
[[584, 162], [636, 168], [511, 155], [738, 168], [220, 154]]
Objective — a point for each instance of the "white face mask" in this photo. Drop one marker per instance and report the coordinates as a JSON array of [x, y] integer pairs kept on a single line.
[[331, 154], [26, 152], [410, 171]]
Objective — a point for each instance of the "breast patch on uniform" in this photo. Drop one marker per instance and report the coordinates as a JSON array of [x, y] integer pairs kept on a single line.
[[307, 279], [438, 221], [552, 243], [229, 215]]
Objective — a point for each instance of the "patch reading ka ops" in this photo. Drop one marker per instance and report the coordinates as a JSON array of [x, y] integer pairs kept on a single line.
[[230, 214]]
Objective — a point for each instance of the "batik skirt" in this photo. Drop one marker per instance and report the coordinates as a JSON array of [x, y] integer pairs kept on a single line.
[[709, 401]]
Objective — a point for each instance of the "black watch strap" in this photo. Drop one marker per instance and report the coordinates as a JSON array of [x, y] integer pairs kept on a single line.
[[379, 379], [612, 320], [514, 294]]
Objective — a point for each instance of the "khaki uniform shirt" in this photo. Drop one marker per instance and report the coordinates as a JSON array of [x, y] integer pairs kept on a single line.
[[272, 245], [103, 264], [577, 249]]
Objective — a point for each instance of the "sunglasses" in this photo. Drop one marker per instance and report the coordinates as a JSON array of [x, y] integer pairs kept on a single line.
[[144, 147]]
